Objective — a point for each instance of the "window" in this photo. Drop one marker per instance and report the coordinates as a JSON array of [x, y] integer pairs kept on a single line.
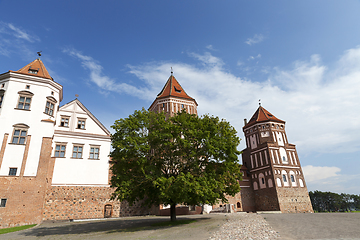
[[94, 152], [19, 136], [49, 108], [64, 121], [50, 105], [177, 90], [284, 178], [24, 103], [81, 123], [12, 171], [77, 151], [182, 105], [1, 97], [24, 100], [3, 202], [292, 178], [33, 71], [27, 87], [60, 150]]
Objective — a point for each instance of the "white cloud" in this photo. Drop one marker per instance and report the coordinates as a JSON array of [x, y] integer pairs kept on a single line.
[[256, 39], [103, 81], [253, 58], [319, 104], [316, 173], [210, 47], [17, 32]]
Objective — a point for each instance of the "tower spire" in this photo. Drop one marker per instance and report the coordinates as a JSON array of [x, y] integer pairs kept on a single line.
[[172, 72]]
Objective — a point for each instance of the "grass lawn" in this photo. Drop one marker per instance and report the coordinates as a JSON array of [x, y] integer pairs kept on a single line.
[[14, 229]]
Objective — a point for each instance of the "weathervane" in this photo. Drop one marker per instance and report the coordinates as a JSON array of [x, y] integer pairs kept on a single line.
[[39, 53], [171, 71], [259, 102], [76, 95]]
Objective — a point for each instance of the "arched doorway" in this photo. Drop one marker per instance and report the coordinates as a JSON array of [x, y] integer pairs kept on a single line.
[[107, 211]]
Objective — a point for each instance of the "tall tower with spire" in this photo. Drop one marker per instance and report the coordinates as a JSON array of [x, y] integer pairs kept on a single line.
[[173, 99], [273, 163]]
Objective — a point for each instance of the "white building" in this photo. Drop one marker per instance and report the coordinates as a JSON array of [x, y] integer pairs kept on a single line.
[[54, 161]]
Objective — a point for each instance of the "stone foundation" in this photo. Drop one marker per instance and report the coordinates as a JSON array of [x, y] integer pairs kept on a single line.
[[294, 200]]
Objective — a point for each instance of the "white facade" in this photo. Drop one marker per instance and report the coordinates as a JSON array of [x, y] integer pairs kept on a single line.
[[29, 103], [14, 115], [81, 148]]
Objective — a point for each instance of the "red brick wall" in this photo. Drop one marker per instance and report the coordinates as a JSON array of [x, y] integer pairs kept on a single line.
[[78, 202], [25, 195]]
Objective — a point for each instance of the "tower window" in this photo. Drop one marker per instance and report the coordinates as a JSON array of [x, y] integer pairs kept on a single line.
[[182, 105], [262, 180], [12, 171], [33, 71], [284, 178], [1, 96], [292, 178], [19, 136]]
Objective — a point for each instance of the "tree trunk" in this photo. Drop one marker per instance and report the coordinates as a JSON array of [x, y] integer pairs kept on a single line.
[[173, 212]]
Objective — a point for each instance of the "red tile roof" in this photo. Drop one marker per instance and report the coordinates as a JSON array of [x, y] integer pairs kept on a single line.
[[36, 66], [174, 89], [262, 115]]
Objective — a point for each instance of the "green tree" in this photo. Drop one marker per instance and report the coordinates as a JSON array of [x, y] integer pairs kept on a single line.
[[171, 160]]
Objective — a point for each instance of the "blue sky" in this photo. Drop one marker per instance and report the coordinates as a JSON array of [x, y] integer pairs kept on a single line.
[[301, 58]]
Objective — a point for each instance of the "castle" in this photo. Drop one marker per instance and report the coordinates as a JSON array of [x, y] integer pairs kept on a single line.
[[54, 162]]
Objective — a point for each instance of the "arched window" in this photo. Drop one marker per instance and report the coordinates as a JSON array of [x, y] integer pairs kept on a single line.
[[278, 182], [255, 186], [270, 183], [238, 205], [262, 180], [285, 178]]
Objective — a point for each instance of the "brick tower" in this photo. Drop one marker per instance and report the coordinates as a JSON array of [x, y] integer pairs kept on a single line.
[[173, 99], [276, 175]]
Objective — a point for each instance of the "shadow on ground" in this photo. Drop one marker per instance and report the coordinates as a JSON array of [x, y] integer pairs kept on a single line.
[[109, 226]]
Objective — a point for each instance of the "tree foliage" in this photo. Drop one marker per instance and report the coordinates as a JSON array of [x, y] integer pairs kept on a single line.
[[170, 160], [333, 202]]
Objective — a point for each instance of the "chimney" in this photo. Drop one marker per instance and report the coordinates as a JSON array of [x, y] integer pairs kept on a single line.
[[245, 121]]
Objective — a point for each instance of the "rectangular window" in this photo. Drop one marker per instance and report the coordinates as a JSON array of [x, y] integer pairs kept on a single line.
[[24, 102], [19, 136], [3, 202], [81, 123], [12, 171], [64, 122], [60, 150], [49, 108], [77, 151], [94, 152]]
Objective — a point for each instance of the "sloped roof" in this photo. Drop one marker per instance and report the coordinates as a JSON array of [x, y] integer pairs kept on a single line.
[[37, 66], [262, 115], [173, 88]]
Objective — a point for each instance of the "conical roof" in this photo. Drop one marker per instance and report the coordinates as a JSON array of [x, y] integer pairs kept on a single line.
[[35, 68], [262, 115], [173, 88]]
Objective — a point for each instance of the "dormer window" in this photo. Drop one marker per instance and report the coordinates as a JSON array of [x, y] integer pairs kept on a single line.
[[33, 71], [177, 90]]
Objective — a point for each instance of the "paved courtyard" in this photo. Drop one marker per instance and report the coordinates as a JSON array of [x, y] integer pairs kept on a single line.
[[288, 226]]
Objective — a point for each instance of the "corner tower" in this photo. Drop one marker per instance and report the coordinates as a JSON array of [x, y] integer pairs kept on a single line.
[[173, 99], [276, 175]]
